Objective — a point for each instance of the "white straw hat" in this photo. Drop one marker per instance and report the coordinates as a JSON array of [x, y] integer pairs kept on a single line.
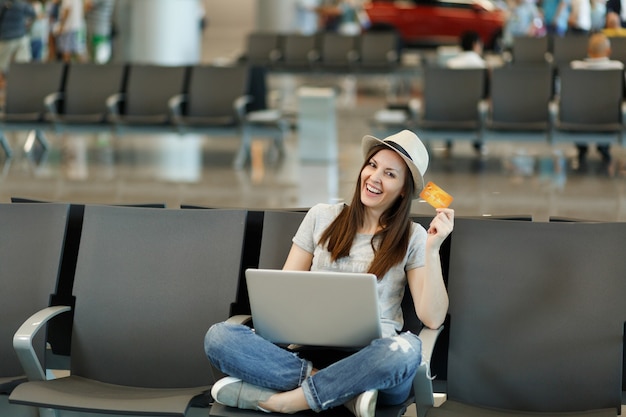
[[410, 148]]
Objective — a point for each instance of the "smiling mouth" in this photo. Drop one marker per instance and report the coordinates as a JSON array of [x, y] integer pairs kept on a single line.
[[372, 190]]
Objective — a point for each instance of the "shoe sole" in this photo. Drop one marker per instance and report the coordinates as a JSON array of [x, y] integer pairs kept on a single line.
[[366, 404], [221, 384]]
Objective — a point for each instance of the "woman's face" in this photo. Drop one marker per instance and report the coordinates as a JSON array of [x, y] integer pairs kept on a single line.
[[382, 180]]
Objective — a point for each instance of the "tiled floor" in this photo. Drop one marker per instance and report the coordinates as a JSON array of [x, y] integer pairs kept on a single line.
[[510, 179]]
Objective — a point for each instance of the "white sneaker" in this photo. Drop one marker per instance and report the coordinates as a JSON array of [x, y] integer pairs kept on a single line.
[[363, 405]]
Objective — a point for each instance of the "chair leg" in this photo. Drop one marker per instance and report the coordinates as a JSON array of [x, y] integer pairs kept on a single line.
[[4, 143], [244, 150]]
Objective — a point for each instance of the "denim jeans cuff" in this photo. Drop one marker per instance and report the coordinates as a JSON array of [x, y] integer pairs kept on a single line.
[[310, 394], [307, 368]]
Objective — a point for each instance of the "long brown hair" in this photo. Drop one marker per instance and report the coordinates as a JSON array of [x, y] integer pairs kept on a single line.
[[393, 238]]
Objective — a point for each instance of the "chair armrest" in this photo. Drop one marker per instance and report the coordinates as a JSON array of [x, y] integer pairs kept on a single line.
[[23, 341], [239, 319], [392, 56], [553, 113], [50, 103], [175, 104], [113, 106], [239, 105], [422, 383]]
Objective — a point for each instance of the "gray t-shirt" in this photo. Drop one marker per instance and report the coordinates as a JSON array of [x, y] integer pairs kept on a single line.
[[390, 287]]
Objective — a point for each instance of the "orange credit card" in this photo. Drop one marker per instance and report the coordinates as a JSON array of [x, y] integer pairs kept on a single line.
[[435, 196]]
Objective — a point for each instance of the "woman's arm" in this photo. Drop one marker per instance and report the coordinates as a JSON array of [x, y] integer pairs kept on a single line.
[[298, 259], [426, 283]]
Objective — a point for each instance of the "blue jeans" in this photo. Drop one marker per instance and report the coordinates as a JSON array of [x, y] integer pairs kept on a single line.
[[387, 365]]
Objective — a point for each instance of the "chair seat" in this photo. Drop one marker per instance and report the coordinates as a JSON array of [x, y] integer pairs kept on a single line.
[[455, 409], [600, 128], [81, 394], [7, 383], [21, 117], [80, 118], [449, 125], [264, 116], [217, 121], [153, 119], [518, 126]]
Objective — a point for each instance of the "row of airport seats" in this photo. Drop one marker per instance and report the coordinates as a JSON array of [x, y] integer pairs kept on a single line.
[[370, 51], [127, 98], [558, 50], [528, 102], [535, 324]]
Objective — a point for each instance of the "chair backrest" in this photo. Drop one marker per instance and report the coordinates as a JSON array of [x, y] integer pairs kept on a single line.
[[530, 49], [214, 89], [279, 227], [31, 247], [379, 50], [520, 96], [618, 48], [149, 88], [338, 52], [536, 314], [88, 86], [28, 84], [263, 48], [149, 283], [568, 48], [452, 95], [299, 50], [591, 99]]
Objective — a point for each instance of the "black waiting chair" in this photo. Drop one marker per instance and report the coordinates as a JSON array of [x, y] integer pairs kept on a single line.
[[338, 52], [148, 284], [568, 48], [518, 108], [379, 51], [83, 102], [450, 106], [531, 50], [28, 85], [215, 104], [589, 107], [263, 49], [279, 227], [300, 52], [143, 104], [530, 332], [31, 248]]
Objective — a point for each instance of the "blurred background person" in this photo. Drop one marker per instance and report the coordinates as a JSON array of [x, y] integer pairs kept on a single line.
[[579, 20], [524, 19], [613, 25], [555, 13], [615, 6], [598, 15], [99, 19], [38, 32], [71, 42], [307, 16], [598, 58], [15, 19]]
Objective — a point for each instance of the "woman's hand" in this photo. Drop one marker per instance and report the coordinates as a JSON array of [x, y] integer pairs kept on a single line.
[[440, 227]]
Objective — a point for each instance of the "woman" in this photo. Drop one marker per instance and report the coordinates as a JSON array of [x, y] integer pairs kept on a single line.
[[373, 234]]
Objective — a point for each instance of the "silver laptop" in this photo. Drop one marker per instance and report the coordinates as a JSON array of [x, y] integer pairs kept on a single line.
[[314, 308]]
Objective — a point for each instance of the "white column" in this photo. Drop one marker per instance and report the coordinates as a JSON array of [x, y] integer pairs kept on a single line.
[[276, 15], [163, 32]]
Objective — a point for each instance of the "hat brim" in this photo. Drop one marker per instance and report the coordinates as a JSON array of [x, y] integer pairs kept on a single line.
[[369, 142]]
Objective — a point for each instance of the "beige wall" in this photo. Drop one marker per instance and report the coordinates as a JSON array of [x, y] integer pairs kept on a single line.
[[229, 21]]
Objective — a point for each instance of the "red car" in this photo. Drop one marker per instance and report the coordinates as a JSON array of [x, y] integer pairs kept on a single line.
[[438, 22]]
